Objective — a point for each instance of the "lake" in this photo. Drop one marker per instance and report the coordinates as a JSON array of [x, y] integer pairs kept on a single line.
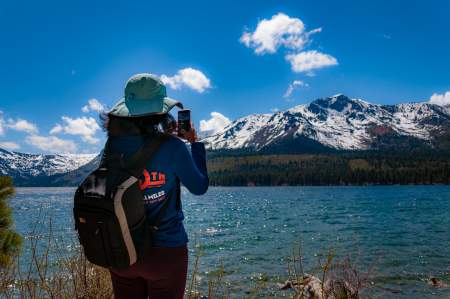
[[404, 231]]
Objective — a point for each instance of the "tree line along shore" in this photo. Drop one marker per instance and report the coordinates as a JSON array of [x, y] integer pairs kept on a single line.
[[327, 169]]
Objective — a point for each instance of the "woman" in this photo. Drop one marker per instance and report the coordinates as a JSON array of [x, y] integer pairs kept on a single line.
[[162, 272]]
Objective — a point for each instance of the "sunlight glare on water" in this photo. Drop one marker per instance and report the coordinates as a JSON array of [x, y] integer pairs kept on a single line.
[[403, 230]]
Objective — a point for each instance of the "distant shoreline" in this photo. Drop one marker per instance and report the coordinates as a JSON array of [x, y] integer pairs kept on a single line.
[[278, 186], [344, 169]]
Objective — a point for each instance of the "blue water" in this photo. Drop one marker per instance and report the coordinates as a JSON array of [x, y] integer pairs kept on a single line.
[[403, 231]]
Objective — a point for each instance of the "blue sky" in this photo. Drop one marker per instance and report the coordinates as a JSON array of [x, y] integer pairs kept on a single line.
[[230, 57]]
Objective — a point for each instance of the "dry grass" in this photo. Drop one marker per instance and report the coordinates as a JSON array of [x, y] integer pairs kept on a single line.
[[68, 277], [73, 276], [48, 271], [217, 287]]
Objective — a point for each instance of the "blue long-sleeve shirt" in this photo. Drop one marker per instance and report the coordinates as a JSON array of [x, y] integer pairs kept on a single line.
[[172, 161]]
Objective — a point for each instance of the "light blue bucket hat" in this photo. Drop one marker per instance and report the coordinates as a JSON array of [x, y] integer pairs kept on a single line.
[[144, 94]]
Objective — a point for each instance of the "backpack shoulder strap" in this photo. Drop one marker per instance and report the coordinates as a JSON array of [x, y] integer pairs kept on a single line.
[[135, 165]]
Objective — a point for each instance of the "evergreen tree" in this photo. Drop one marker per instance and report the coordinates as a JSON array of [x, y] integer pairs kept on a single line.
[[10, 241], [338, 169]]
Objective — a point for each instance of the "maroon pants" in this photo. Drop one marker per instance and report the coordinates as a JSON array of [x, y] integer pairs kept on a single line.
[[159, 275]]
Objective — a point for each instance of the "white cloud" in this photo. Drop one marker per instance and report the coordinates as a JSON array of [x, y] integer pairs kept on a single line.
[[93, 105], [293, 86], [280, 30], [216, 123], [51, 144], [189, 77], [309, 61], [9, 145], [22, 125], [274, 110], [86, 127], [440, 99], [56, 129], [283, 31]]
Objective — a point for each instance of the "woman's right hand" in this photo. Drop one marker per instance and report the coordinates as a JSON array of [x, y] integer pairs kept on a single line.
[[191, 135]]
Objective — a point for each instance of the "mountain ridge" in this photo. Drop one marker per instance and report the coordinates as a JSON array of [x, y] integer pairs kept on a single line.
[[337, 122], [24, 167], [329, 125]]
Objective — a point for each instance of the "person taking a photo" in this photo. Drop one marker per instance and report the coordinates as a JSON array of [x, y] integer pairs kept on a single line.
[[142, 112]]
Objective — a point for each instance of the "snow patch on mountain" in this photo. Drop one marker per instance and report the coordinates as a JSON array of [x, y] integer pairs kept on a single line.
[[236, 134], [21, 164]]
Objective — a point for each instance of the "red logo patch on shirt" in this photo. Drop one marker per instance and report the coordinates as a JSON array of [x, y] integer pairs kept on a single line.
[[153, 179]]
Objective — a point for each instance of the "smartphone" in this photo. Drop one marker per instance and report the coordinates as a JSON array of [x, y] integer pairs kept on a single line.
[[184, 120]]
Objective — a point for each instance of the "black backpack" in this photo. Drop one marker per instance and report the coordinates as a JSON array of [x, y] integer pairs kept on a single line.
[[109, 209]]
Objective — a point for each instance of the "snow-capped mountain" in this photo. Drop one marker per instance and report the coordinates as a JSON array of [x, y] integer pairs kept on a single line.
[[336, 122], [23, 166]]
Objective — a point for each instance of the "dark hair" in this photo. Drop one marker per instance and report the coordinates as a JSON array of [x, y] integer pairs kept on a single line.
[[132, 125], [169, 124]]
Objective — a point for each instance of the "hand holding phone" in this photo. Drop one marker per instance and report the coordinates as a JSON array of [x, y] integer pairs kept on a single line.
[[185, 128], [184, 121]]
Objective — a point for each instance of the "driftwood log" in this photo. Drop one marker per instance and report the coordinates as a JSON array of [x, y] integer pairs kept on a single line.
[[311, 287]]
